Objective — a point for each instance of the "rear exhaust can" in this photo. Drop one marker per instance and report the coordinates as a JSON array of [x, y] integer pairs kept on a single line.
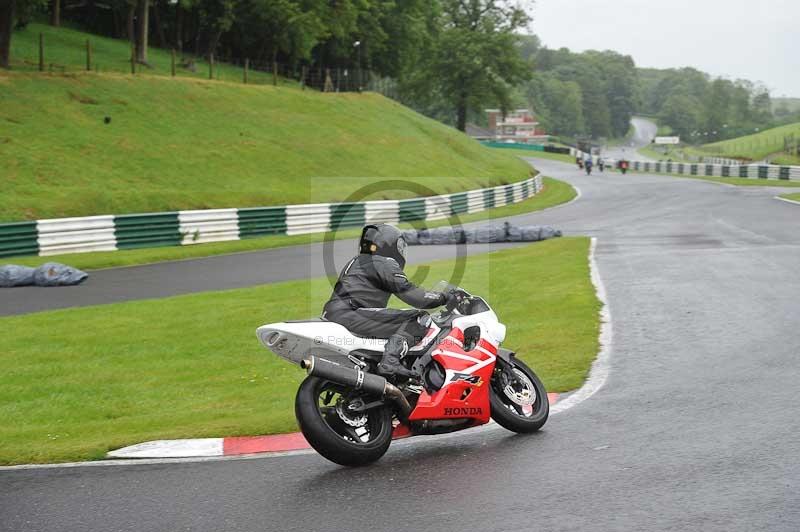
[[357, 379]]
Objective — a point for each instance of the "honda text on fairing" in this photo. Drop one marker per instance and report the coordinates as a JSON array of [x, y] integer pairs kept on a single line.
[[350, 414]]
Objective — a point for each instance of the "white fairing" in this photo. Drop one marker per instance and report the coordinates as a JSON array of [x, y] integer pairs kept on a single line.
[[295, 341], [487, 321]]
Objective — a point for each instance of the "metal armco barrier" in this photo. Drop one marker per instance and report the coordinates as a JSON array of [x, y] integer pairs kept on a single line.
[[131, 231]]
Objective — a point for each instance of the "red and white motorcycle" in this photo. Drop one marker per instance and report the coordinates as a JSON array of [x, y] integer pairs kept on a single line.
[[349, 414]]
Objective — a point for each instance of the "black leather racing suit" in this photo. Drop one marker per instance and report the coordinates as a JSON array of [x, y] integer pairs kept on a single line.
[[360, 296]]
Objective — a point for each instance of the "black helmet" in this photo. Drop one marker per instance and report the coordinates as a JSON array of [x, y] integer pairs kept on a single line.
[[384, 240]]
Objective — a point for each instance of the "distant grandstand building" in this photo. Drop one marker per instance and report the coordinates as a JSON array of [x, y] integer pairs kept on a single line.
[[515, 126]]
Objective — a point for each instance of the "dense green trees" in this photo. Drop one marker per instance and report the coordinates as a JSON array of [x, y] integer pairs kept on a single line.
[[702, 109], [472, 60], [449, 58], [593, 93], [450, 55]]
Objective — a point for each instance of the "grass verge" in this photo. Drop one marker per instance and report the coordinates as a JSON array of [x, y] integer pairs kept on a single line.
[[555, 192], [737, 181], [566, 158], [793, 197], [79, 382]]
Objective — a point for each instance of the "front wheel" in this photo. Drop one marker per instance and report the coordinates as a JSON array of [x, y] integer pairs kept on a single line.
[[518, 398], [328, 418]]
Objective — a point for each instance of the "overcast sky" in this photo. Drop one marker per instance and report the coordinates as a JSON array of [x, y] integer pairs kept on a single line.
[[755, 40]]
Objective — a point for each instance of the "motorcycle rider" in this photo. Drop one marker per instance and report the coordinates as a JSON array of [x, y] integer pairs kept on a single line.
[[364, 287]]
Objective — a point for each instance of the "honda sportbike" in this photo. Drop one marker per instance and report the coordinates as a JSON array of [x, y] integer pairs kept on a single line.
[[350, 414]]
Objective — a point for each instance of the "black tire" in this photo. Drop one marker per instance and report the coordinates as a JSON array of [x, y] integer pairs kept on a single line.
[[324, 437], [512, 418]]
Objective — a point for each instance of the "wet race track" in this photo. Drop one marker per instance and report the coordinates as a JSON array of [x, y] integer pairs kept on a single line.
[[695, 429]]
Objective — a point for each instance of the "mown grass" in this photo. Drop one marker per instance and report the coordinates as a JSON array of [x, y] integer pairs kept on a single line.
[[793, 197], [539, 155], [554, 193], [738, 181], [65, 51], [191, 144], [77, 383], [756, 146]]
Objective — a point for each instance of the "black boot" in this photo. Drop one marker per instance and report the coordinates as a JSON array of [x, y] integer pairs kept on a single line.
[[390, 365]]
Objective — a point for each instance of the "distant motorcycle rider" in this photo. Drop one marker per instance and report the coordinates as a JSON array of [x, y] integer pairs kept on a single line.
[[364, 287]]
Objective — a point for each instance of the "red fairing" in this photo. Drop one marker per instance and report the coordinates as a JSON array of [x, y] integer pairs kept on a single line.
[[465, 393]]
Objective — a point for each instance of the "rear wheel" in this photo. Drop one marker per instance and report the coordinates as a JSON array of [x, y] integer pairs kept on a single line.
[[518, 398], [326, 415]]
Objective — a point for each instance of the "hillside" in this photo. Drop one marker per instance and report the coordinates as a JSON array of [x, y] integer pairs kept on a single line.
[[185, 143], [65, 52], [756, 146]]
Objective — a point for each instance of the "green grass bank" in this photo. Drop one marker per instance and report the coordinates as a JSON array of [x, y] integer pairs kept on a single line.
[[77, 383], [184, 143]]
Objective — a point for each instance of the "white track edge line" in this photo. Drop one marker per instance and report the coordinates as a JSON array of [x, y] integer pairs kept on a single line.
[[787, 200], [598, 375]]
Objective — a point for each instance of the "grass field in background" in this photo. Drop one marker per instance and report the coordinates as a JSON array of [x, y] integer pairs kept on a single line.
[[65, 50], [554, 193], [79, 382], [190, 144], [756, 146]]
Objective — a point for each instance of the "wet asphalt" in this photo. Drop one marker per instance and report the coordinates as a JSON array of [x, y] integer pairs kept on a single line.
[[696, 428]]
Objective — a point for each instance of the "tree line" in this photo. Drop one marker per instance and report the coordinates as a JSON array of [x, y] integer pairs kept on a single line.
[[460, 54], [703, 109], [450, 58], [580, 94]]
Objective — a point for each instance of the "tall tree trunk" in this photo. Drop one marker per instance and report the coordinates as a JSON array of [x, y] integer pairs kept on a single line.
[[55, 15], [162, 39], [144, 30], [7, 8], [212, 45], [129, 28], [197, 29], [179, 28], [461, 112]]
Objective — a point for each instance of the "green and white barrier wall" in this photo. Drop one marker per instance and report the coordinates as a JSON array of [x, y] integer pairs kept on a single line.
[[711, 168], [130, 231], [753, 171]]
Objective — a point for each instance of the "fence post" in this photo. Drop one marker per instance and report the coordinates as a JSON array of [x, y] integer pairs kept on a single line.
[[246, 68], [211, 66], [41, 52], [88, 56], [172, 64], [303, 78], [133, 59], [275, 73]]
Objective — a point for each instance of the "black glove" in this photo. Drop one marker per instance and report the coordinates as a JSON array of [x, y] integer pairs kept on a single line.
[[453, 297]]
